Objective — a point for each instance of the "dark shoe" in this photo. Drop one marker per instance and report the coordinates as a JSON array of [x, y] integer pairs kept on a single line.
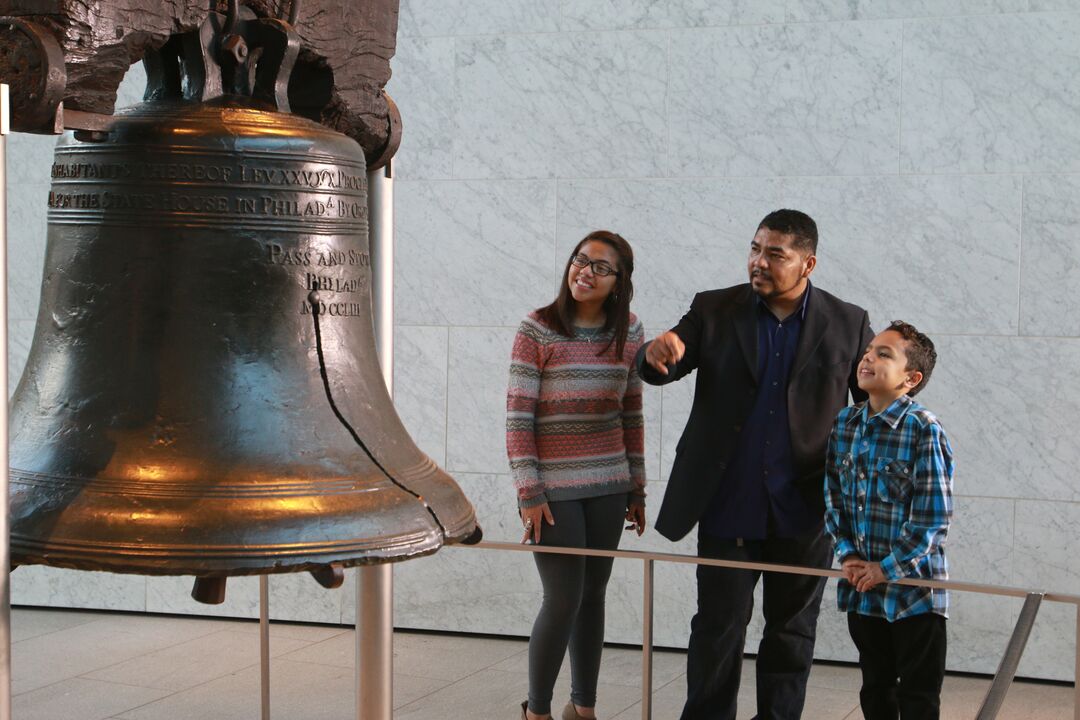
[[524, 705], [570, 712]]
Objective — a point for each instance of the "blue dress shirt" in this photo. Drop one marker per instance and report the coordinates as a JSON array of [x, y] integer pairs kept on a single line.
[[765, 501]]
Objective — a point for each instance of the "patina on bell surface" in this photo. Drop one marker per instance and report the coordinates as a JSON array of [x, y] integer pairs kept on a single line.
[[202, 394]]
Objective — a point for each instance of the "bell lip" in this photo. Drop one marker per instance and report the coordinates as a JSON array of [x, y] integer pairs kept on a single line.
[[461, 531], [237, 560], [221, 566]]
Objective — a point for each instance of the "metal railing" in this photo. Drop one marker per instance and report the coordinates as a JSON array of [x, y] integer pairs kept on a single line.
[[999, 686]]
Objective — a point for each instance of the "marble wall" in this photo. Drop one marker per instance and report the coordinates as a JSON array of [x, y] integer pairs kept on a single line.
[[934, 141]]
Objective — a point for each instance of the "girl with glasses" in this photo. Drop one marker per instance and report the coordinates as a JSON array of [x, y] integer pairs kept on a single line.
[[575, 438]]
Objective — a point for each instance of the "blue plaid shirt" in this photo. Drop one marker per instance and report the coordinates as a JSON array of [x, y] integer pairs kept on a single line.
[[888, 498]]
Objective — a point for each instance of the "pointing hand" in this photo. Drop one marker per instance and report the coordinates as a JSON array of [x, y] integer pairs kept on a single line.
[[666, 349]]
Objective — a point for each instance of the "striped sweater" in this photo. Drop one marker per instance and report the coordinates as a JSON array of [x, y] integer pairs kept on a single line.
[[574, 427]]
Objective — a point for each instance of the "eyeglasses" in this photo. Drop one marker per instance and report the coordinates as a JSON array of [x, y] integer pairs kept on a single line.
[[600, 268]]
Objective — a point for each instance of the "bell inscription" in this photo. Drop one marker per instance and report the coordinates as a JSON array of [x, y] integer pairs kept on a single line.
[[208, 190]]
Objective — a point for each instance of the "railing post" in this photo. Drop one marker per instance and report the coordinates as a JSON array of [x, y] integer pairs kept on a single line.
[[647, 642], [264, 646], [995, 696], [1076, 668]]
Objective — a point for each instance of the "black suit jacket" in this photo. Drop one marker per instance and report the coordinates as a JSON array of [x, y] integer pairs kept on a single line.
[[720, 333]]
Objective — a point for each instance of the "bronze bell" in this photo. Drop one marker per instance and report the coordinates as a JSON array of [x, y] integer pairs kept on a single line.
[[202, 396]]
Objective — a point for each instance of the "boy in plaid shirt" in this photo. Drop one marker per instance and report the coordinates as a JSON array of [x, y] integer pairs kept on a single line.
[[888, 504]]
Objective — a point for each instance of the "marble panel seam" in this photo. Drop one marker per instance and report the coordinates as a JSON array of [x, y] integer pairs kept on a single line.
[[84, 678], [1015, 498], [305, 662], [170, 691], [667, 102], [923, 18], [555, 226], [464, 327], [1020, 262], [453, 115], [446, 407], [1000, 336], [719, 26], [591, 31], [451, 683], [690, 177], [900, 105]]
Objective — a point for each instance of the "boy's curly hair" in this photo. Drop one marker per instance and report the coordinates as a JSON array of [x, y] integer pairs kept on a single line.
[[920, 352]]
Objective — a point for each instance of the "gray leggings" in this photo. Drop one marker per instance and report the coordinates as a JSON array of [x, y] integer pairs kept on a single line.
[[572, 613]]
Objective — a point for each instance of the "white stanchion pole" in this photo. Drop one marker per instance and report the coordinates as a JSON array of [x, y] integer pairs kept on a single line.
[[5, 547], [375, 583]]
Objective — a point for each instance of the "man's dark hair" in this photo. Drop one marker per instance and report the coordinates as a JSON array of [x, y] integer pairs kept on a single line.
[[920, 352], [793, 222]]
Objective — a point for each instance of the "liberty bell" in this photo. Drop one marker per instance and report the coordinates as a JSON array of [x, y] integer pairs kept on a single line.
[[202, 395]]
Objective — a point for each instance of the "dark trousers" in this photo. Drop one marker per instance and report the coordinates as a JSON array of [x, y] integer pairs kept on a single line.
[[790, 604], [903, 665], [572, 613]]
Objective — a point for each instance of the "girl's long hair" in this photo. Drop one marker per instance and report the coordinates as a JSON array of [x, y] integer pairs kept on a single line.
[[559, 315]]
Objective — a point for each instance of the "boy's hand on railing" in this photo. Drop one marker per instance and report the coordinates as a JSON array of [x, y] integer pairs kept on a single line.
[[852, 567], [870, 577]]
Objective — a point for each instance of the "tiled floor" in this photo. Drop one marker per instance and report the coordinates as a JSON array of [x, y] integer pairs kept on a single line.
[[94, 666]]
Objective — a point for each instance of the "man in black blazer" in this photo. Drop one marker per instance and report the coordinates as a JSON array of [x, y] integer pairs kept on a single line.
[[775, 361]]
